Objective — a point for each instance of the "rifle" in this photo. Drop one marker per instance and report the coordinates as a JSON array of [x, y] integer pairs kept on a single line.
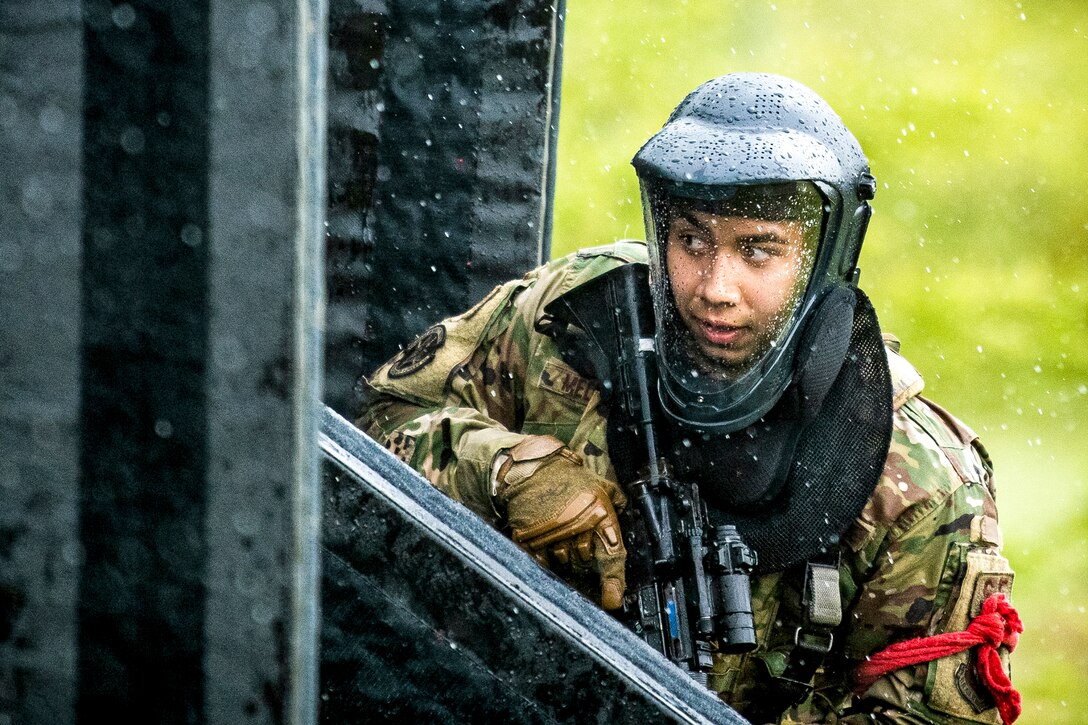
[[688, 588]]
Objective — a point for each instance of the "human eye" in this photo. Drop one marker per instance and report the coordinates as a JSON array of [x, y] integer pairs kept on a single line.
[[691, 240], [694, 243], [762, 249], [759, 253]]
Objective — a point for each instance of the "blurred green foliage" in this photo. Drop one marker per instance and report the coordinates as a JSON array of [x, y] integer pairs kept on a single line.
[[974, 116]]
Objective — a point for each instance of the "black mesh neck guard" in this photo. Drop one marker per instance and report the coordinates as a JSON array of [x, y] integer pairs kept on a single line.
[[827, 464], [837, 461]]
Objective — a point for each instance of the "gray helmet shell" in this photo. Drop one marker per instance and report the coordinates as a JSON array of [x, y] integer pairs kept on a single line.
[[746, 129]]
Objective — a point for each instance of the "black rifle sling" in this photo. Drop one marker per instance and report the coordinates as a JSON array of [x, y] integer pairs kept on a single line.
[[820, 613]]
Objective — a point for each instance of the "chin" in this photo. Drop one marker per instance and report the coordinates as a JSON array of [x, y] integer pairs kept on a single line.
[[716, 364], [728, 358]]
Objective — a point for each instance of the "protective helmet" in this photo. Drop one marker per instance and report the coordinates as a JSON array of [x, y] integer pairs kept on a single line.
[[763, 150]]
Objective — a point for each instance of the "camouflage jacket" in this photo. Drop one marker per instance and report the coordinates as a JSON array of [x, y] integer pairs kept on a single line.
[[919, 560]]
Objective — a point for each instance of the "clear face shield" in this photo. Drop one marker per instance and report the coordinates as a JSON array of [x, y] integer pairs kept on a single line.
[[729, 272]]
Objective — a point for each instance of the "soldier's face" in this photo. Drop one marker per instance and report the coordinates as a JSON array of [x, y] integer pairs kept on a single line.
[[735, 282]]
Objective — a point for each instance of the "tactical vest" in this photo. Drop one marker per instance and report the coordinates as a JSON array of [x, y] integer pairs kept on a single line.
[[809, 608]]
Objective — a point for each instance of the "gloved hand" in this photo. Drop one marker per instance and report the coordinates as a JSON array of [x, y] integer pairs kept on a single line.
[[564, 514]]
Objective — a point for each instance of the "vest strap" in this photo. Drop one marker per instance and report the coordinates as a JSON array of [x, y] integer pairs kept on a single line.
[[821, 613]]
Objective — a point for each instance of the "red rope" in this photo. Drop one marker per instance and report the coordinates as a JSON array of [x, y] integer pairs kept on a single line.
[[998, 624]]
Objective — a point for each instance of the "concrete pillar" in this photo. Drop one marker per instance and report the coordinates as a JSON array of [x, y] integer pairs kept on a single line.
[[161, 364]]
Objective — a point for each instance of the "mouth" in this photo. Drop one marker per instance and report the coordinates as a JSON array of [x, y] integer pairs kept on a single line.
[[720, 333]]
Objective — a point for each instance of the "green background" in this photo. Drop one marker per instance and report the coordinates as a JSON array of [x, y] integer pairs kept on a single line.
[[974, 116]]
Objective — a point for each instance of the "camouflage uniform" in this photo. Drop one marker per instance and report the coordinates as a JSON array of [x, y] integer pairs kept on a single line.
[[919, 560]]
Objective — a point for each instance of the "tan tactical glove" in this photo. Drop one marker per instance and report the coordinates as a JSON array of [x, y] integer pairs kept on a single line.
[[559, 509]]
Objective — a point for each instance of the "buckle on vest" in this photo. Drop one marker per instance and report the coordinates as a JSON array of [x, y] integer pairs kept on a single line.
[[813, 641]]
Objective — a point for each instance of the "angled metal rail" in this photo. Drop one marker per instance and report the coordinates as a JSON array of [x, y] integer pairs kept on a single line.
[[431, 615]]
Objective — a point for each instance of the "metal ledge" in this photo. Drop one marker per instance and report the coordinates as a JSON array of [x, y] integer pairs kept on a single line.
[[431, 615]]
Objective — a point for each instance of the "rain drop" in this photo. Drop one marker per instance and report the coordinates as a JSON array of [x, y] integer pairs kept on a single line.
[[191, 235], [123, 16], [51, 119], [132, 141]]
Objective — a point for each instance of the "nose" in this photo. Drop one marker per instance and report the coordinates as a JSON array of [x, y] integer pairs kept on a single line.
[[720, 284]]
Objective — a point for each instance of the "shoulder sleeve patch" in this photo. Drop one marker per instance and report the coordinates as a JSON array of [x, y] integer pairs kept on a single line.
[[955, 687], [420, 371], [419, 353]]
